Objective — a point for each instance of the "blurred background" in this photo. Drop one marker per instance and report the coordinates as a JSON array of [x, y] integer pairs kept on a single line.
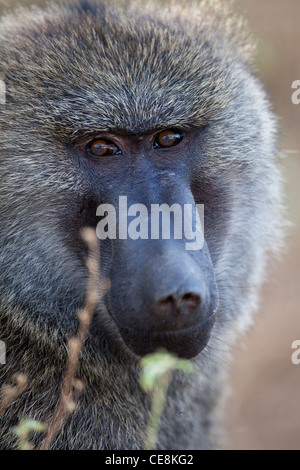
[[264, 408], [265, 401]]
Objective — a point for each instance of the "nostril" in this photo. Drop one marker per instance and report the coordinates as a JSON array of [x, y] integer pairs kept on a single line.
[[172, 306], [190, 300], [177, 311], [167, 306]]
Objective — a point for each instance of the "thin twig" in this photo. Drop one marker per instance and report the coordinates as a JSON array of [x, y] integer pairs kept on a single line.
[[95, 291], [10, 392]]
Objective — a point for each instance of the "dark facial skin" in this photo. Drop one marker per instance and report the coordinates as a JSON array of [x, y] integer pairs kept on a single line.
[[162, 295]]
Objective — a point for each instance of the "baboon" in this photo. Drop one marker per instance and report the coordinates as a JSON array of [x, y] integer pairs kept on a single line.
[[158, 103]]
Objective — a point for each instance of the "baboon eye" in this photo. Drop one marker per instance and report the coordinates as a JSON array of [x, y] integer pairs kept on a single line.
[[102, 148], [168, 138]]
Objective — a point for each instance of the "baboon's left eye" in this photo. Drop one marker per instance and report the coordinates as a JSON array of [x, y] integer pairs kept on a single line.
[[168, 138], [102, 148]]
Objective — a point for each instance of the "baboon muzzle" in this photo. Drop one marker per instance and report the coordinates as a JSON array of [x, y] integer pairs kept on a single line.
[[163, 293], [161, 296]]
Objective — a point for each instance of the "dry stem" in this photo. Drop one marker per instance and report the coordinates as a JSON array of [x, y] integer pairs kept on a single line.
[[95, 291], [10, 392]]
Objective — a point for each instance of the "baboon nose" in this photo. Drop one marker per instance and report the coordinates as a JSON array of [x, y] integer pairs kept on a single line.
[[179, 310], [190, 301], [174, 305]]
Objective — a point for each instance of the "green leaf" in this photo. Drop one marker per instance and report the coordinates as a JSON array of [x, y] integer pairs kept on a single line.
[[158, 364]]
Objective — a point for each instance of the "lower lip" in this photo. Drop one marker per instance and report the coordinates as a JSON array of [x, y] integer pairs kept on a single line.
[[186, 343]]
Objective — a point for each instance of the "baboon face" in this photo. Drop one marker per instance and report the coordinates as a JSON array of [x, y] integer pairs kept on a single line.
[[162, 294], [98, 107]]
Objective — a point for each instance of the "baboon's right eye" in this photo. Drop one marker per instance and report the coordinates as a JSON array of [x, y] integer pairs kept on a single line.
[[168, 138], [102, 148]]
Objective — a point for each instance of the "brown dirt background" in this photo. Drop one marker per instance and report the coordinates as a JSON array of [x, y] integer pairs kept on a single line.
[[265, 402], [264, 409]]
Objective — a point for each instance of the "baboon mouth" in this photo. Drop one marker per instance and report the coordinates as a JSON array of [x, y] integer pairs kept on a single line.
[[186, 343]]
